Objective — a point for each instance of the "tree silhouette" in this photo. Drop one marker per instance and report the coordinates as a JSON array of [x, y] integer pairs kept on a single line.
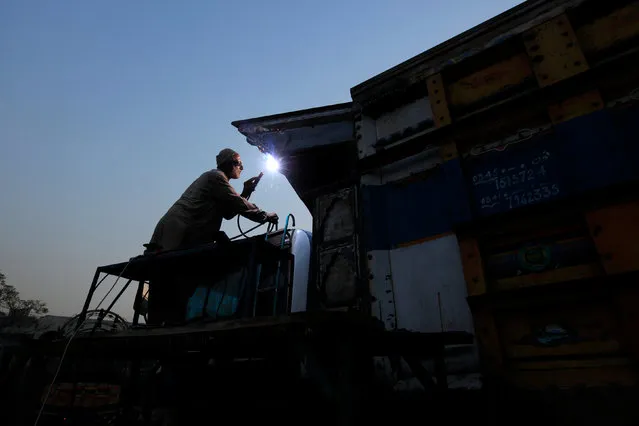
[[12, 304]]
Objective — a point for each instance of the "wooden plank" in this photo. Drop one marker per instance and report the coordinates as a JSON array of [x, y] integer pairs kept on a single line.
[[438, 102], [488, 340], [473, 267], [549, 277], [490, 81], [574, 373], [628, 305], [554, 51], [575, 106], [448, 151], [619, 26], [615, 231]]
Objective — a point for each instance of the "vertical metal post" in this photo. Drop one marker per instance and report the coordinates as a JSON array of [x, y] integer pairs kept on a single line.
[[138, 302], [87, 302], [116, 298]]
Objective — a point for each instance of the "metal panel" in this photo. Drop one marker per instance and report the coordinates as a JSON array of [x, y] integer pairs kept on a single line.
[[581, 154], [554, 51], [490, 81], [380, 281], [335, 216], [430, 291], [593, 153], [411, 115], [338, 275], [414, 209], [519, 175]]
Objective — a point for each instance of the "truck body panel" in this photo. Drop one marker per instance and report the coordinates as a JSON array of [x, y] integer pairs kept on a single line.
[[478, 164]]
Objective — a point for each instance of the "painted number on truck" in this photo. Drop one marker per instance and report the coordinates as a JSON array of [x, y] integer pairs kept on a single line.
[[501, 181]]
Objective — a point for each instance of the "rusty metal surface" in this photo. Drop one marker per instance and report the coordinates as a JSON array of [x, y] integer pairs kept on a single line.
[[438, 103]]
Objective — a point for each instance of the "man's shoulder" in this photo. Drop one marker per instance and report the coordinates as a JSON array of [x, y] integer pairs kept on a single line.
[[215, 174]]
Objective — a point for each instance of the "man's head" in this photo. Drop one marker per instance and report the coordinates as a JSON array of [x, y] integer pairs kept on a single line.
[[230, 163]]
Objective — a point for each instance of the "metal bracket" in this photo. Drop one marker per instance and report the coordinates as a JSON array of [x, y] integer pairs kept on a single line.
[[438, 103], [554, 51]]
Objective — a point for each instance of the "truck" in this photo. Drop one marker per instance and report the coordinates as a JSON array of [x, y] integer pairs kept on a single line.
[[474, 227]]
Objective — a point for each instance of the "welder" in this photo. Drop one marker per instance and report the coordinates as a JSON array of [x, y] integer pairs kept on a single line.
[[194, 219], [196, 216]]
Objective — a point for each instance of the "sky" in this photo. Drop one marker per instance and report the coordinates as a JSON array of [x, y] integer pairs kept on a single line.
[[110, 109]]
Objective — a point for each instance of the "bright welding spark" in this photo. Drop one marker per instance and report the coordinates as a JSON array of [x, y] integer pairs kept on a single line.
[[272, 165]]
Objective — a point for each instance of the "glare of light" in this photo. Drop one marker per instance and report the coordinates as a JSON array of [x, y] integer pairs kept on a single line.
[[272, 165]]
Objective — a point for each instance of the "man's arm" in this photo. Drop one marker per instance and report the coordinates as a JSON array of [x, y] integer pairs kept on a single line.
[[233, 203]]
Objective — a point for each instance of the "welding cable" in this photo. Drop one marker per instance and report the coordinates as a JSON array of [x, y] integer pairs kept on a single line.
[[66, 347], [242, 233]]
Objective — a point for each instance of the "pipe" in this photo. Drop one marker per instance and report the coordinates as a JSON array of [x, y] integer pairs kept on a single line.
[[279, 262]]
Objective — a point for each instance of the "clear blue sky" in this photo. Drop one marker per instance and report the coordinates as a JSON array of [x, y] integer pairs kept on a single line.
[[109, 109]]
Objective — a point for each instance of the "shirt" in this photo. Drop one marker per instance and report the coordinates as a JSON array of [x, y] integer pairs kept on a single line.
[[196, 217]]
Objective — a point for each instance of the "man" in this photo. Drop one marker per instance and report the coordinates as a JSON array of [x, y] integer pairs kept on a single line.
[[197, 216]]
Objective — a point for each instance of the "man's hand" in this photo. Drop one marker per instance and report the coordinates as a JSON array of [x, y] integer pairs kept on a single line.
[[272, 218], [250, 185]]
